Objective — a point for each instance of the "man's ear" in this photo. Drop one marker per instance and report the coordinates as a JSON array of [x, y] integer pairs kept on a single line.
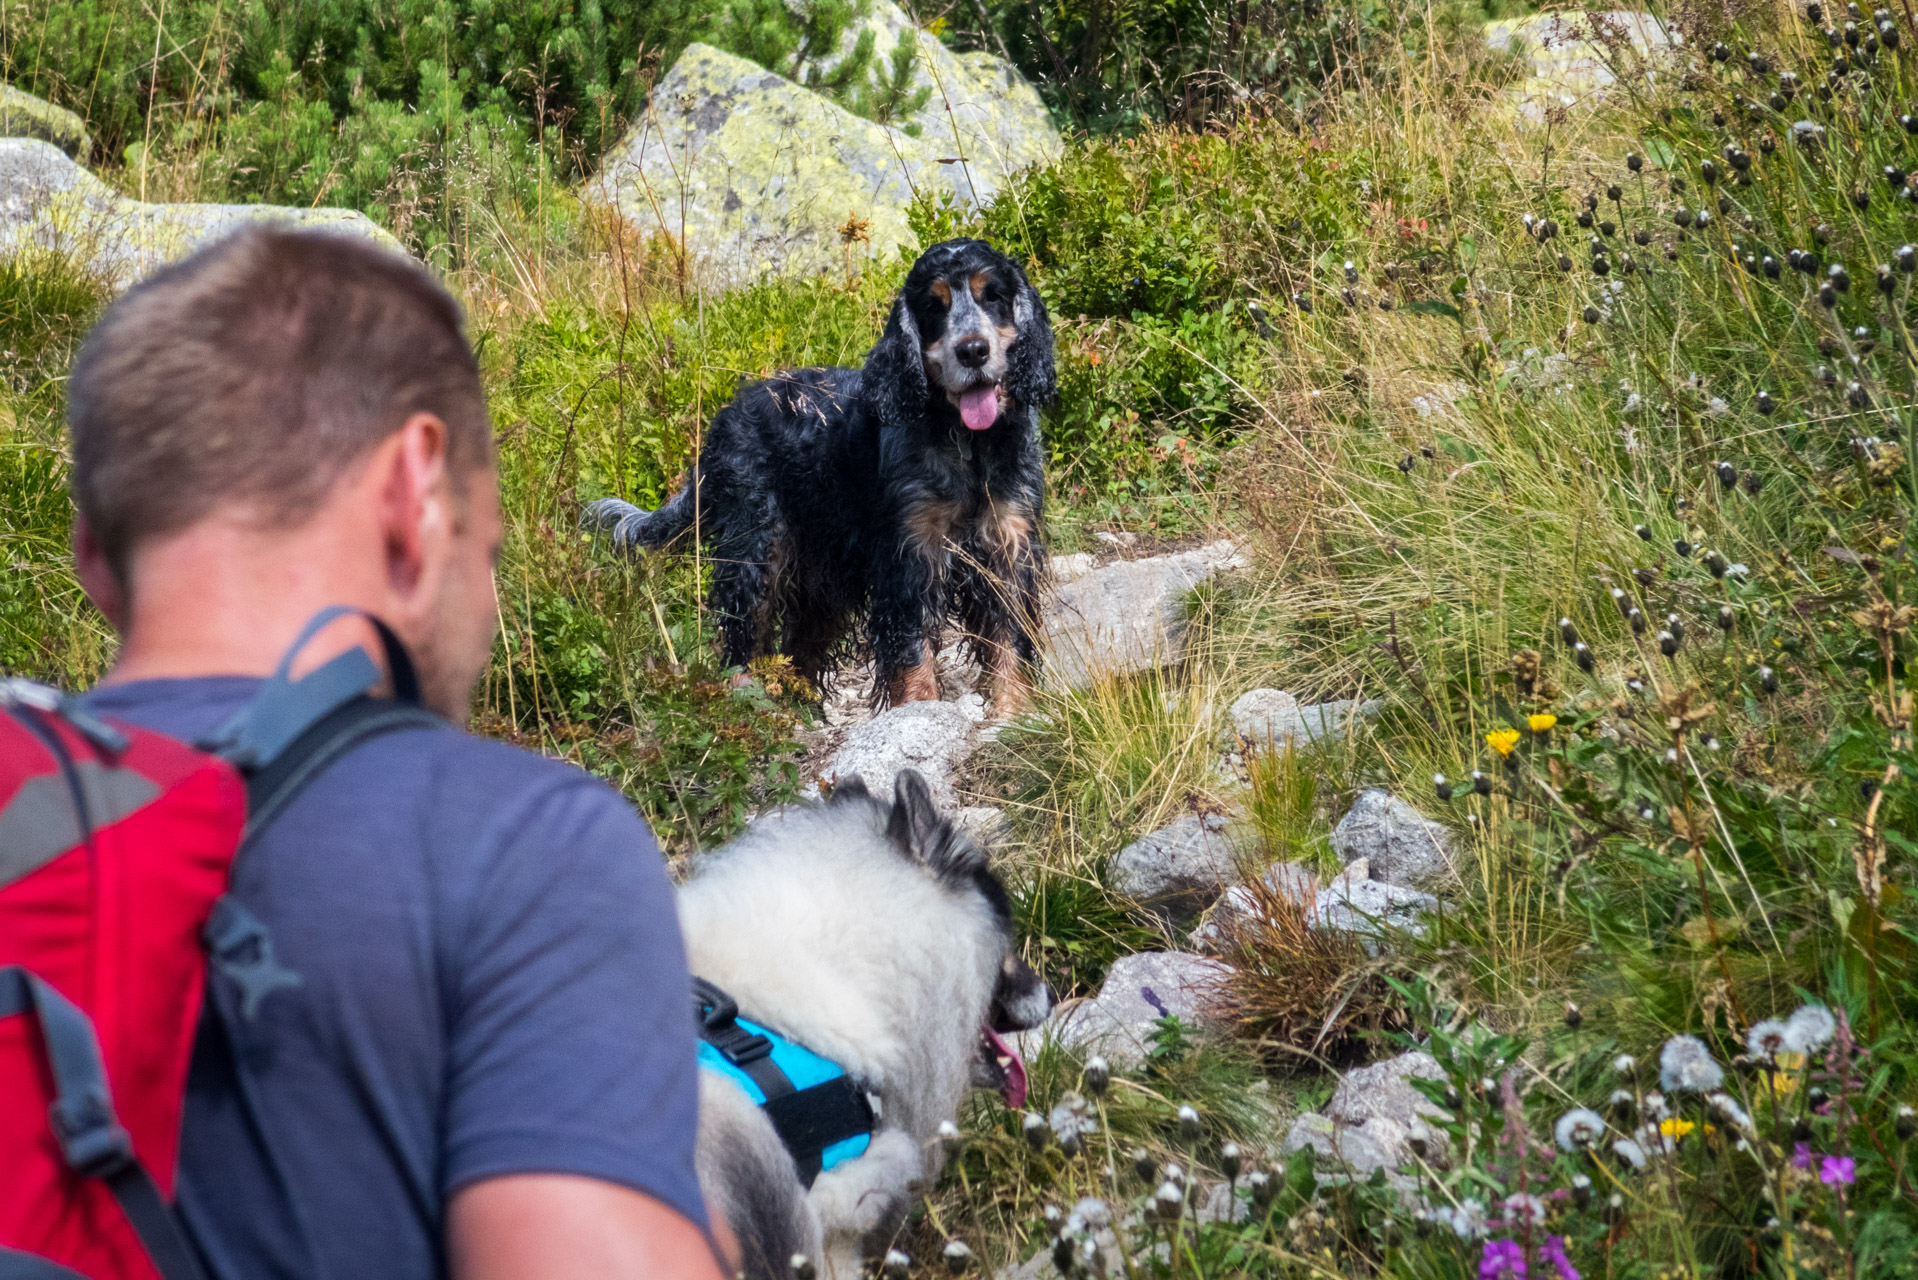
[[415, 495], [97, 578]]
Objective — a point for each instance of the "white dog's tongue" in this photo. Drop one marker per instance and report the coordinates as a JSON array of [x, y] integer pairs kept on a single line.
[[979, 408], [1014, 1088]]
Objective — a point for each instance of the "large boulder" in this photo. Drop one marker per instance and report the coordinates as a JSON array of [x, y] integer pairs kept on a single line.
[[933, 737], [977, 105], [1578, 58], [50, 204], [1179, 870], [745, 173], [1128, 616], [1139, 990], [1400, 845], [24, 116]]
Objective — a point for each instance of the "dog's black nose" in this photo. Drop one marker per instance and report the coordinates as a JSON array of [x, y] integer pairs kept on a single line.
[[972, 351]]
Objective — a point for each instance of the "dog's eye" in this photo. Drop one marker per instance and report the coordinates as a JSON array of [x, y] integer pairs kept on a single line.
[[943, 292]]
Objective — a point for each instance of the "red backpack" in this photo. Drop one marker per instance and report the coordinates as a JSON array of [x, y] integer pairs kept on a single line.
[[116, 845]]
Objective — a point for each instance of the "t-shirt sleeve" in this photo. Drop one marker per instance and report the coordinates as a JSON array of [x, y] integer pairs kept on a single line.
[[571, 1044]]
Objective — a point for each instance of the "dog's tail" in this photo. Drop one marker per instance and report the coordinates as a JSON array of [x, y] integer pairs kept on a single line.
[[631, 527]]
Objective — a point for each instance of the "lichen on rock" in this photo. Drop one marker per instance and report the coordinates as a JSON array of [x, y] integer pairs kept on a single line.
[[49, 204], [744, 173], [24, 116]]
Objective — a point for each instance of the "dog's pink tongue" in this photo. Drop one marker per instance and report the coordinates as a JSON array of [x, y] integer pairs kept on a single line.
[[979, 408], [1014, 1089]]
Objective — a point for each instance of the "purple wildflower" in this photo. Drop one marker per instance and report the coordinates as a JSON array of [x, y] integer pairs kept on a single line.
[[1502, 1260], [1838, 1170], [1553, 1251], [1801, 1156]]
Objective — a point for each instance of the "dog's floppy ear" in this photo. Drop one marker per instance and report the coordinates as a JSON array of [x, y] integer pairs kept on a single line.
[[893, 384], [1029, 373], [918, 831]]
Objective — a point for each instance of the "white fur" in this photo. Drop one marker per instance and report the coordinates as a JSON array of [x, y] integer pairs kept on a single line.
[[823, 930]]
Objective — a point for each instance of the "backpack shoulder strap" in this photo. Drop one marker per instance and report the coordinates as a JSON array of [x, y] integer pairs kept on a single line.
[[92, 1142], [286, 736]]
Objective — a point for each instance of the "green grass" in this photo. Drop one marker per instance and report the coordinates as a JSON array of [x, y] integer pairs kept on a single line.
[[1425, 492]]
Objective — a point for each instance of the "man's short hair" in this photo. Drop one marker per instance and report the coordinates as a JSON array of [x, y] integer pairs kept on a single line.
[[256, 372]]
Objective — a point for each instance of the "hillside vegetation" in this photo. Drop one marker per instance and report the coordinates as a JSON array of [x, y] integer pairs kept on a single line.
[[1579, 442]]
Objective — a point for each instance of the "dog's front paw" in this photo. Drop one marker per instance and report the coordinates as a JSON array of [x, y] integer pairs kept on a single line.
[[861, 1195]]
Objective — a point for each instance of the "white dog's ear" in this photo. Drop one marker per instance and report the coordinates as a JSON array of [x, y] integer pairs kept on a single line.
[[919, 831], [915, 826]]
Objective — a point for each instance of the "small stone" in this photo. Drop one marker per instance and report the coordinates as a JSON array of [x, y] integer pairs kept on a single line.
[[1401, 845], [1179, 870]]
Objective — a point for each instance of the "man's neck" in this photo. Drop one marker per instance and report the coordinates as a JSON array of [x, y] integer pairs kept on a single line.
[[223, 598]]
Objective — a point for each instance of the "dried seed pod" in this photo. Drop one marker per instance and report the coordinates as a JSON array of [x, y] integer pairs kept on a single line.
[[1769, 265], [1644, 533], [958, 1256], [1675, 625], [1768, 680], [1763, 403], [1231, 1161], [1717, 564], [1591, 315], [1098, 1076], [1905, 1123], [1144, 1165], [1727, 474], [1683, 548], [1856, 396], [1724, 617], [1481, 784], [1584, 655], [1441, 786], [1637, 619], [1634, 161], [1839, 278], [1573, 1016], [1567, 632], [801, 1267], [1667, 644]]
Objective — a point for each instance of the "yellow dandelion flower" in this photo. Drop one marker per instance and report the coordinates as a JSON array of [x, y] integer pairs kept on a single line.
[[1676, 1128], [1502, 741], [1541, 722]]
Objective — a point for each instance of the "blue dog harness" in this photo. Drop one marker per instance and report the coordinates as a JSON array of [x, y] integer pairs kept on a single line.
[[820, 1113]]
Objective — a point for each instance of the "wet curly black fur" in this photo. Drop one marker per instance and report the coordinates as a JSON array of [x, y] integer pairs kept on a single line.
[[855, 506]]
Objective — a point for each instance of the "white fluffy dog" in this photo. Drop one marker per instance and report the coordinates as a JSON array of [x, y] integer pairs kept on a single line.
[[877, 936]]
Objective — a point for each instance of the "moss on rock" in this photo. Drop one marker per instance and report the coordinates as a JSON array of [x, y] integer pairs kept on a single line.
[[49, 204], [24, 116]]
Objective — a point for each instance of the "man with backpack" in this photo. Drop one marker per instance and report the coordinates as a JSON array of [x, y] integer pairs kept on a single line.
[[445, 1024]]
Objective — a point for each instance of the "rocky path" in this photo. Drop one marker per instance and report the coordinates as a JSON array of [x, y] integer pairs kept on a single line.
[[1123, 612]]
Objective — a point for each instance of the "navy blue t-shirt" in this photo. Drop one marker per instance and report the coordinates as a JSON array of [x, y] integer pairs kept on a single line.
[[491, 981]]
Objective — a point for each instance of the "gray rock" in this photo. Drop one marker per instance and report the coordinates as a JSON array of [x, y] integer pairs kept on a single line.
[[1381, 1091], [1577, 57], [977, 104], [1071, 566], [1373, 1113], [984, 823], [1277, 718], [1291, 882], [1180, 869], [24, 116], [933, 737], [50, 204], [743, 173], [1128, 616], [1363, 1148], [1369, 907], [1400, 845], [1138, 991]]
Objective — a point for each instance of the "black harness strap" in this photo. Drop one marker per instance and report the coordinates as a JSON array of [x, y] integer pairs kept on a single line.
[[807, 1120]]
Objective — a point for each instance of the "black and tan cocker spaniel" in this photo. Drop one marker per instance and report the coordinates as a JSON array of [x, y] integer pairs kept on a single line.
[[898, 495]]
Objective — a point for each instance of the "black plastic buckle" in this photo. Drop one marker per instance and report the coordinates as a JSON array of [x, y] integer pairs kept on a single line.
[[91, 1141], [719, 1026]]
